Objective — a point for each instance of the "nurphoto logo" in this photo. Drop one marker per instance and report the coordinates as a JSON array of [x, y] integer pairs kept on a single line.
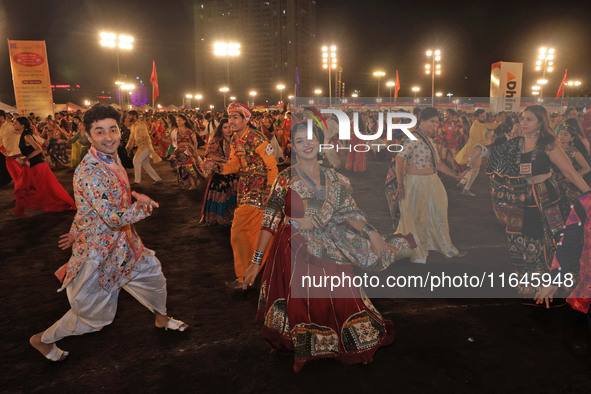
[[344, 123]]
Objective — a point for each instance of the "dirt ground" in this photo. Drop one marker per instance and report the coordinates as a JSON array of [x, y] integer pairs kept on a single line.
[[441, 345]]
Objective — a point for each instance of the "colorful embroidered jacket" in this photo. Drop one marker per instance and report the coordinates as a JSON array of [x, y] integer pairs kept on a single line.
[[574, 253], [252, 158], [102, 227]]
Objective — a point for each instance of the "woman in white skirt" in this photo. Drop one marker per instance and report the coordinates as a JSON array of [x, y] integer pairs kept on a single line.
[[421, 195]]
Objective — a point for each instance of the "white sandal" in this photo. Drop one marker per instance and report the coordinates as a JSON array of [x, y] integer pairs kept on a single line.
[[176, 325], [56, 354]]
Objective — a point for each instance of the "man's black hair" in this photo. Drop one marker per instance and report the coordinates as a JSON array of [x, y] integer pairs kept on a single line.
[[100, 112]]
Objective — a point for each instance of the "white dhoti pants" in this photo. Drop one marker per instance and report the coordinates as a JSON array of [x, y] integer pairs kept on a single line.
[[93, 308], [142, 159]]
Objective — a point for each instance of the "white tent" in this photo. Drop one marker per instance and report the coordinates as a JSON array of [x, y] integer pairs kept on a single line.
[[7, 108], [74, 107]]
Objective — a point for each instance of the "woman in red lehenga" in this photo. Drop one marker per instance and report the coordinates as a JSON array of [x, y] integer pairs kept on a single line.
[[160, 139], [38, 189], [319, 231]]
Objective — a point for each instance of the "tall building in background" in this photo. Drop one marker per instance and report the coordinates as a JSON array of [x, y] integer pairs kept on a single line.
[[275, 36]]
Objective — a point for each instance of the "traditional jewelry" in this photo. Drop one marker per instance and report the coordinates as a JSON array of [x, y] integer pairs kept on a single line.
[[257, 257], [368, 229], [526, 168]]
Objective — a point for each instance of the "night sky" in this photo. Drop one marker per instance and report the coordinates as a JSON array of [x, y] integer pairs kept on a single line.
[[370, 35]]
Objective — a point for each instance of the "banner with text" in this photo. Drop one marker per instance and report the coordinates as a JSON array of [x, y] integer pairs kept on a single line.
[[505, 86], [30, 77]]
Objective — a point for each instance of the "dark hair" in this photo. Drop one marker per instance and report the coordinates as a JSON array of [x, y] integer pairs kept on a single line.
[[478, 112], [188, 123], [578, 144], [428, 113], [303, 126], [133, 112], [219, 131], [547, 136], [2, 113], [569, 109], [172, 121], [24, 121], [100, 112], [574, 126]]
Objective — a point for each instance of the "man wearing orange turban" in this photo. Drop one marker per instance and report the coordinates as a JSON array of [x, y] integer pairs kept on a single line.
[[252, 158]]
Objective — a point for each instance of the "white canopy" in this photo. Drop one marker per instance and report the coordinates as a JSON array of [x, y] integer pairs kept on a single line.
[[7, 108]]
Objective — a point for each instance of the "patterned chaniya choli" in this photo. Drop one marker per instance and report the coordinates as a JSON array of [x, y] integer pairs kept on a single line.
[[220, 198], [573, 256], [316, 322], [80, 147], [56, 148], [569, 191], [185, 163], [423, 211], [533, 214]]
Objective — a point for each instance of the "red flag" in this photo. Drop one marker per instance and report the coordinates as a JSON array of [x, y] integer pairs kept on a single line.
[[562, 85], [154, 82], [397, 88]]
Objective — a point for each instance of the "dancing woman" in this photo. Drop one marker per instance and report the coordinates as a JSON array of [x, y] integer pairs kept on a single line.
[[526, 197], [318, 230], [172, 133], [80, 143], [421, 195], [56, 139], [575, 150], [185, 155], [160, 138], [38, 188], [220, 199]]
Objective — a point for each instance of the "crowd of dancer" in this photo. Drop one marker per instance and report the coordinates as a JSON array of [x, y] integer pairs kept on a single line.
[[303, 219], [183, 138]]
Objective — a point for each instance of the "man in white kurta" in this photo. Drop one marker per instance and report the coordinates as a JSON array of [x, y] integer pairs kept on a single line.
[[107, 253]]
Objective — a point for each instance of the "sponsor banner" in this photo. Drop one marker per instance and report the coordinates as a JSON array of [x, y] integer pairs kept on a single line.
[[30, 77], [505, 86]]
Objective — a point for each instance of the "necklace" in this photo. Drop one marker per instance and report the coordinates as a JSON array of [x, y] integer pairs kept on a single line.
[[525, 168]]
